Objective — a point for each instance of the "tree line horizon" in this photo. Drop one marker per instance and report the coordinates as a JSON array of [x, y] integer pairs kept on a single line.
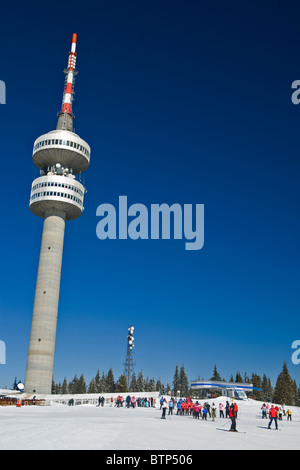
[[285, 390]]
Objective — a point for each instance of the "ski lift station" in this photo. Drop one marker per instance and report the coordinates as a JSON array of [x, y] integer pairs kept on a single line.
[[228, 389]]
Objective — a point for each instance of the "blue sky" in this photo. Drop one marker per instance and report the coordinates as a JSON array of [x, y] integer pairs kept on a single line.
[[181, 102]]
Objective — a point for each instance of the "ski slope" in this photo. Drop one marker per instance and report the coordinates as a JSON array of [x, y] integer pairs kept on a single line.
[[89, 427]]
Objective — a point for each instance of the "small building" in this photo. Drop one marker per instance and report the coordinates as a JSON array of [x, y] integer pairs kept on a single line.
[[228, 389]]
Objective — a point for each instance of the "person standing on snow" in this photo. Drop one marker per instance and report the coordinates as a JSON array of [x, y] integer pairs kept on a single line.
[[227, 409], [273, 416], [213, 411], [164, 409], [171, 406], [196, 410], [221, 408], [204, 413], [233, 416]]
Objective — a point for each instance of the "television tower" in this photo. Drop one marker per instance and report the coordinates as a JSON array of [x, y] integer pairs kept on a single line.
[[128, 370], [56, 196]]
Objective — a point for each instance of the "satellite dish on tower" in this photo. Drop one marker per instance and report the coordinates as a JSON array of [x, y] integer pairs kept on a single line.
[[20, 386]]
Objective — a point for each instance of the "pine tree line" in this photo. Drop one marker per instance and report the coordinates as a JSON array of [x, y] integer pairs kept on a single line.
[[105, 383], [284, 392]]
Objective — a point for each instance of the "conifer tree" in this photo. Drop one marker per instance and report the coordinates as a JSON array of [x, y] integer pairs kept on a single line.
[[238, 378], [65, 386], [97, 381], [92, 386], [102, 384], [216, 376], [295, 393], [81, 385], [159, 386], [176, 383], [267, 390], [256, 381], [284, 389], [183, 382], [121, 384], [72, 387], [133, 384], [140, 383], [110, 383], [152, 385], [15, 384]]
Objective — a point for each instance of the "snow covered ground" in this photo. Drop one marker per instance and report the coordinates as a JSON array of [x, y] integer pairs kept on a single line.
[[89, 427]]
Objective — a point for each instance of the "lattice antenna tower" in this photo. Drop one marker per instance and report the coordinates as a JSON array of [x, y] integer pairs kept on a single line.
[[129, 364]]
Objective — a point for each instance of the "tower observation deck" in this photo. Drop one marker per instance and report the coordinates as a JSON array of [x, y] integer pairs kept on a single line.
[[56, 195]]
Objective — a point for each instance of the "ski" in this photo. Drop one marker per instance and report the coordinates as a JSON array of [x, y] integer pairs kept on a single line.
[[270, 429], [228, 430]]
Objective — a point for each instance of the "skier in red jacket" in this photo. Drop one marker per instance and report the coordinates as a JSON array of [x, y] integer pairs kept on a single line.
[[273, 415], [233, 415]]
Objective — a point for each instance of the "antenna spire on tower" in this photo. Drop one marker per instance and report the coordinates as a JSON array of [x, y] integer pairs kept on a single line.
[[70, 72]]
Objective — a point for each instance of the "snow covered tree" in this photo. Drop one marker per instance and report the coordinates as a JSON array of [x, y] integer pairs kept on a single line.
[[140, 383], [133, 385], [72, 386], [152, 385], [121, 384]]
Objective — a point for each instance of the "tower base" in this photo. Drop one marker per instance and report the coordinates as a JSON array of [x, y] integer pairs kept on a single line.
[[39, 370]]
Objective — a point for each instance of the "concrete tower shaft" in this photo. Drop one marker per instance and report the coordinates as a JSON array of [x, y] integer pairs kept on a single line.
[[43, 329], [56, 196]]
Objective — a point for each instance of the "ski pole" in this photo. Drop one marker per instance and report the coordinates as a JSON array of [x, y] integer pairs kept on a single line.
[[225, 423]]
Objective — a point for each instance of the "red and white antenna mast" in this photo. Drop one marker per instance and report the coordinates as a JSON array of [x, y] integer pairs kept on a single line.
[[70, 79]]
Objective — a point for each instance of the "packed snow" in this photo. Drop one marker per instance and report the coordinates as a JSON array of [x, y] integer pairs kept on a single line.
[[88, 427]]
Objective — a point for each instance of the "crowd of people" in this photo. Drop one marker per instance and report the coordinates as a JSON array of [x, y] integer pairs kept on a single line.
[[275, 413], [189, 408], [129, 401]]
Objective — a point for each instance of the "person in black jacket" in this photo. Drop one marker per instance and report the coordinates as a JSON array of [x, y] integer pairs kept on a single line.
[[227, 409], [232, 416]]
